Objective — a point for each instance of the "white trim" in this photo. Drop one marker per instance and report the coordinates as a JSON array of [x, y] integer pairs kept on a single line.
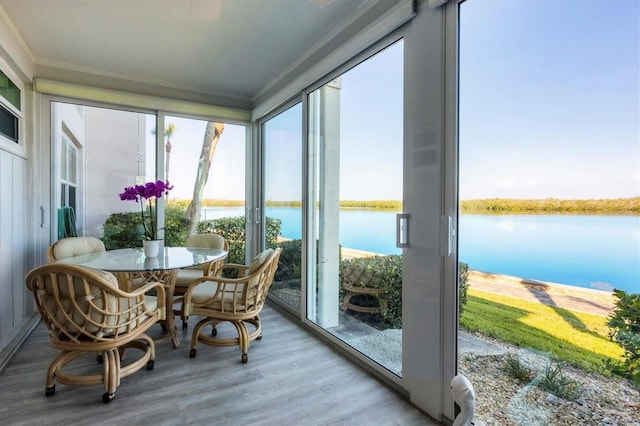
[[15, 50], [7, 144], [434, 4], [449, 328], [115, 97]]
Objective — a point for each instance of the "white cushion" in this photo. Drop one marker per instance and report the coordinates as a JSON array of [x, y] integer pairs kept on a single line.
[[185, 276], [93, 305], [214, 241], [257, 261], [75, 246]]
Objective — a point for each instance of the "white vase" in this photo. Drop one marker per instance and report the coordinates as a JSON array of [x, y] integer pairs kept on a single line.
[[151, 247]]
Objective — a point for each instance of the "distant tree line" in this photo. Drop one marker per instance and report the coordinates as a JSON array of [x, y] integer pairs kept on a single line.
[[629, 206], [345, 204]]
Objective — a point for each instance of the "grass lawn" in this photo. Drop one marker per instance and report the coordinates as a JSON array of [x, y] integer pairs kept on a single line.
[[573, 337]]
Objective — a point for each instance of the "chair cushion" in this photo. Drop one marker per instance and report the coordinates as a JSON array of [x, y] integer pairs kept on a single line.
[[257, 261], [214, 241], [87, 309], [185, 276], [75, 246], [225, 301], [203, 291]]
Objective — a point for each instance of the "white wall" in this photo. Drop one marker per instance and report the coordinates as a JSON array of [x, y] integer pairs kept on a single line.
[[18, 252]]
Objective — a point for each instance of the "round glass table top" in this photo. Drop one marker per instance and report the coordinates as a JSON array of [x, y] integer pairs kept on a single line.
[[133, 259]]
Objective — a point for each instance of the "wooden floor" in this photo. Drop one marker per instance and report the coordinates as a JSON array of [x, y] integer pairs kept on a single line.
[[291, 379]]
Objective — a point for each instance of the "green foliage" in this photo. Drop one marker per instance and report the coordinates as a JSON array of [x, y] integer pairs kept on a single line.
[[233, 230], [624, 323], [552, 205], [383, 272], [176, 226], [372, 204], [344, 204], [124, 230], [290, 264], [386, 272], [516, 369], [463, 286], [554, 381]]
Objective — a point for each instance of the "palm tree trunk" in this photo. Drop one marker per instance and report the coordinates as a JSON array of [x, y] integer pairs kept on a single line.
[[211, 137]]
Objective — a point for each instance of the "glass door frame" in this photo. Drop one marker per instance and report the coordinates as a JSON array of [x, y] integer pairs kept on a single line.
[[429, 352]]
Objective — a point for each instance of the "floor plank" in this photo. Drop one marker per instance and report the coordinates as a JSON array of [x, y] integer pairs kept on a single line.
[[291, 379]]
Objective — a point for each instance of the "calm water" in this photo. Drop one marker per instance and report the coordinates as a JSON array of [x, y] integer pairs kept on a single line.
[[601, 252]]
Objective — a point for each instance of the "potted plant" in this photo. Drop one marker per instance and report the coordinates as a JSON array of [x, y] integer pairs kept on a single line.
[[149, 192]]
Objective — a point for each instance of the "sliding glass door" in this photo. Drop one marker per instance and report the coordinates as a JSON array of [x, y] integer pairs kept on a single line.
[[282, 149], [355, 140]]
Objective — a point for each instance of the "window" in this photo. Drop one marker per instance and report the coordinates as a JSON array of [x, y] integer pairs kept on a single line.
[[9, 90], [8, 124]]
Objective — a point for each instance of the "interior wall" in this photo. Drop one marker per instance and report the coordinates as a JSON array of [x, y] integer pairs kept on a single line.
[[16, 210]]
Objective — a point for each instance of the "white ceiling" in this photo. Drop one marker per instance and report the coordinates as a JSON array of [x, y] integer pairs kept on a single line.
[[227, 51]]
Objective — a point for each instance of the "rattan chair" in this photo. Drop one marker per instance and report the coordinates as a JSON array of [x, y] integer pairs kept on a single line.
[[86, 312], [186, 275], [236, 300], [73, 246]]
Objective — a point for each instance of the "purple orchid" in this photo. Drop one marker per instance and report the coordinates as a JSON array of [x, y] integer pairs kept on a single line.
[[148, 191]]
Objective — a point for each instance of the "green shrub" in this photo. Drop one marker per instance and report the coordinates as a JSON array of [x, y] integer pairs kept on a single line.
[[176, 226], [290, 264], [463, 286], [383, 272], [123, 230], [624, 323], [386, 271], [233, 230]]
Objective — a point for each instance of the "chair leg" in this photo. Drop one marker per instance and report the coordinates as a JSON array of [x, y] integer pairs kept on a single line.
[[243, 339], [112, 370]]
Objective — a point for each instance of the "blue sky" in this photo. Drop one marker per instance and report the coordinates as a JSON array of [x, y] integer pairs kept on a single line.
[[226, 177], [549, 107], [549, 99]]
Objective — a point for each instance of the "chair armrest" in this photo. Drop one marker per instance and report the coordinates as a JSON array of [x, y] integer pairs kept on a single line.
[[140, 292], [241, 269], [214, 267]]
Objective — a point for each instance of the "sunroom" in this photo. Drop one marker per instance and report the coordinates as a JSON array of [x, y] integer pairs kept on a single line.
[[320, 101]]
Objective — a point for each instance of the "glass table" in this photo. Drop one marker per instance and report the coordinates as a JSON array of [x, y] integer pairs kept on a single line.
[[133, 269]]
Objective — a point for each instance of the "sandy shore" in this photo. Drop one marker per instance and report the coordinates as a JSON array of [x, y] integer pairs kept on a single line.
[[579, 299]]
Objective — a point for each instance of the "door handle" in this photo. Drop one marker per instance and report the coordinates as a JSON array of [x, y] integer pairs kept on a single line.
[[449, 235], [402, 230]]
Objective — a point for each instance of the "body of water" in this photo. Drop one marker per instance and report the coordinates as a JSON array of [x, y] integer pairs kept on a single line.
[[598, 252]]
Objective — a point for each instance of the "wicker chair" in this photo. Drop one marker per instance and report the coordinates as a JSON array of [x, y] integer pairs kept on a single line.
[[236, 300], [73, 246], [187, 275], [86, 312]]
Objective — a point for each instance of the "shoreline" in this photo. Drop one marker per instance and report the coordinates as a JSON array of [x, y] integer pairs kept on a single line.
[[579, 299]]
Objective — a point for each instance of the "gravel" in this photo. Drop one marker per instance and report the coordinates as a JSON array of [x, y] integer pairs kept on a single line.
[[502, 400]]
